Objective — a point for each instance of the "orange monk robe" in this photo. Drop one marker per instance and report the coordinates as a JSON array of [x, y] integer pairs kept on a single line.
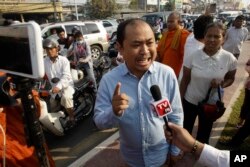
[[173, 57], [18, 154]]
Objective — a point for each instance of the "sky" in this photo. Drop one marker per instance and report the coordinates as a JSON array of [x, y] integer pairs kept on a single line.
[[246, 2]]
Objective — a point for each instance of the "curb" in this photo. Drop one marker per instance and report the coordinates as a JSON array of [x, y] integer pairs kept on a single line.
[[219, 125]]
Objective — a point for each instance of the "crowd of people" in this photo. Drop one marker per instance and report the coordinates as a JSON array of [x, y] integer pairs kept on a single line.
[[122, 98], [206, 58]]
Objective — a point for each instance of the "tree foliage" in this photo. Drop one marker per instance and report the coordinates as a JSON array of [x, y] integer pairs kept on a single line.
[[133, 4], [100, 9], [169, 6]]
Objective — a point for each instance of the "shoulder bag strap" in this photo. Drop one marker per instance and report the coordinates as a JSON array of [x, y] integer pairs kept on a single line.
[[218, 89], [207, 96]]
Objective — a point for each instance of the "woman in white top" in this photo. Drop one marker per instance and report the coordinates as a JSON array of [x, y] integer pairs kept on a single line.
[[208, 67]]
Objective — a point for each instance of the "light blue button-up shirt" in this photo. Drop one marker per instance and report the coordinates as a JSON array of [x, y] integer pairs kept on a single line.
[[142, 138]]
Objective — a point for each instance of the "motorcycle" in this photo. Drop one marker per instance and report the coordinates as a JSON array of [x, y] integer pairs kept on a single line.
[[57, 121], [101, 66], [112, 51]]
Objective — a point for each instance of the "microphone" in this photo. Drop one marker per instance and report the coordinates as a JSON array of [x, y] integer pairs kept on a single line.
[[160, 106]]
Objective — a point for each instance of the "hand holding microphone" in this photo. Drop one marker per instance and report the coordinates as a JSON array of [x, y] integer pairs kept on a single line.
[[161, 105], [119, 101]]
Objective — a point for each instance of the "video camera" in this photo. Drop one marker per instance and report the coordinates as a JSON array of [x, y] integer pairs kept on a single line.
[[21, 50], [22, 57]]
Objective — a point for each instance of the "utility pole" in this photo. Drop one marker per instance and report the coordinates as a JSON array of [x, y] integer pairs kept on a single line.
[[76, 10], [54, 5], [158, 5], [173, 2]]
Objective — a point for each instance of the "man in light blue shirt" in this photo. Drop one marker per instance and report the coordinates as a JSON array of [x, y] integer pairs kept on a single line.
[[123, 98]]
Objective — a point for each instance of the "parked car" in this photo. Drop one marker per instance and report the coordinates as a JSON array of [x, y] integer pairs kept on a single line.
[[110, 26], [185, 16], [193, 17], [152, 17], [229, 21], [226, 14], [93, 32]]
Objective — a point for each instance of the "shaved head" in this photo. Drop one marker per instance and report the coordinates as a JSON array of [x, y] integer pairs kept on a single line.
[[174, 20]]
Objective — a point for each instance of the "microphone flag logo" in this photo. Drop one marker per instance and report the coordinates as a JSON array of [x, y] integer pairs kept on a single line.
[[161, 107]]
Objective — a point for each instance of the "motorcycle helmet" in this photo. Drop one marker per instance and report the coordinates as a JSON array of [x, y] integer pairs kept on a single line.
[[75, 29], [50, 43]]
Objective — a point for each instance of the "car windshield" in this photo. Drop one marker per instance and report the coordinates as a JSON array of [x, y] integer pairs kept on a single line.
[[151, 19]]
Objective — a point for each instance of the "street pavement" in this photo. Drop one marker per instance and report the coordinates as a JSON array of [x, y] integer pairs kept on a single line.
[[107, 153]]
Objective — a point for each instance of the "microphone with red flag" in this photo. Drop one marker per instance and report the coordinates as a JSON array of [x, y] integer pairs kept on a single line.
[[161, 106]]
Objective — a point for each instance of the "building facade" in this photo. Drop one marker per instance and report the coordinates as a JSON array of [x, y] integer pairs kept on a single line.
[[24, 10]]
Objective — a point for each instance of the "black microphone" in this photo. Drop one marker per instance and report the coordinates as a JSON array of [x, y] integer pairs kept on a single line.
[[161, 106]]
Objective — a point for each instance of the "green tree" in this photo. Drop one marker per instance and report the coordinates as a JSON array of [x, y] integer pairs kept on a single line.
[[169, 6], [100, 9], [133, 4]]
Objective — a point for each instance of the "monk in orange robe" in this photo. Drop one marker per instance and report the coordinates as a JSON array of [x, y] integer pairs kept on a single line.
[[171, 46]]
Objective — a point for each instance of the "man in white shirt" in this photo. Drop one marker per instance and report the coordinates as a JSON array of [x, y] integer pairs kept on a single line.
[[57, 66], [235, 36], [203, 153]]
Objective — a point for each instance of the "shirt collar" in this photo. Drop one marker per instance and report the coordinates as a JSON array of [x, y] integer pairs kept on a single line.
[[214, 57], [125, 70], [48, 58]]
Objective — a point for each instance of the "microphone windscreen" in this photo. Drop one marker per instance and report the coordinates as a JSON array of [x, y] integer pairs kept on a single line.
[[156, 92]]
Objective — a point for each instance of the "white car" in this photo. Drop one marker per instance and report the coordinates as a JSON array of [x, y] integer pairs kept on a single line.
[[110, 26], [93, 32]]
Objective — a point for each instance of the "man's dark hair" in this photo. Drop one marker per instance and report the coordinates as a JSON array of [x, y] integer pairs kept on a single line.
[[122, 26], [200, 25], [240, 17], [52, 30], [59, 30]]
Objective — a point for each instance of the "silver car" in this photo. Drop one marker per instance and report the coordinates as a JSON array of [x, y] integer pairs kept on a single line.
[[93, 32], [111, 26]]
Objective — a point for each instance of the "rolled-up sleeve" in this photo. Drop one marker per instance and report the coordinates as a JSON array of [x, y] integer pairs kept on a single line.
[[104, 117]]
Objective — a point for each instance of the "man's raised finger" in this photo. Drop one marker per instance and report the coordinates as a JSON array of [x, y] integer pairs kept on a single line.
[[117, 89]]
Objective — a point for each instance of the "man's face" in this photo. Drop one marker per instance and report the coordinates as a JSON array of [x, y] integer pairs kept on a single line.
[[138, 49], [238, 23], [61, 35], [172, 22], [80, 38], [52, 52]]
